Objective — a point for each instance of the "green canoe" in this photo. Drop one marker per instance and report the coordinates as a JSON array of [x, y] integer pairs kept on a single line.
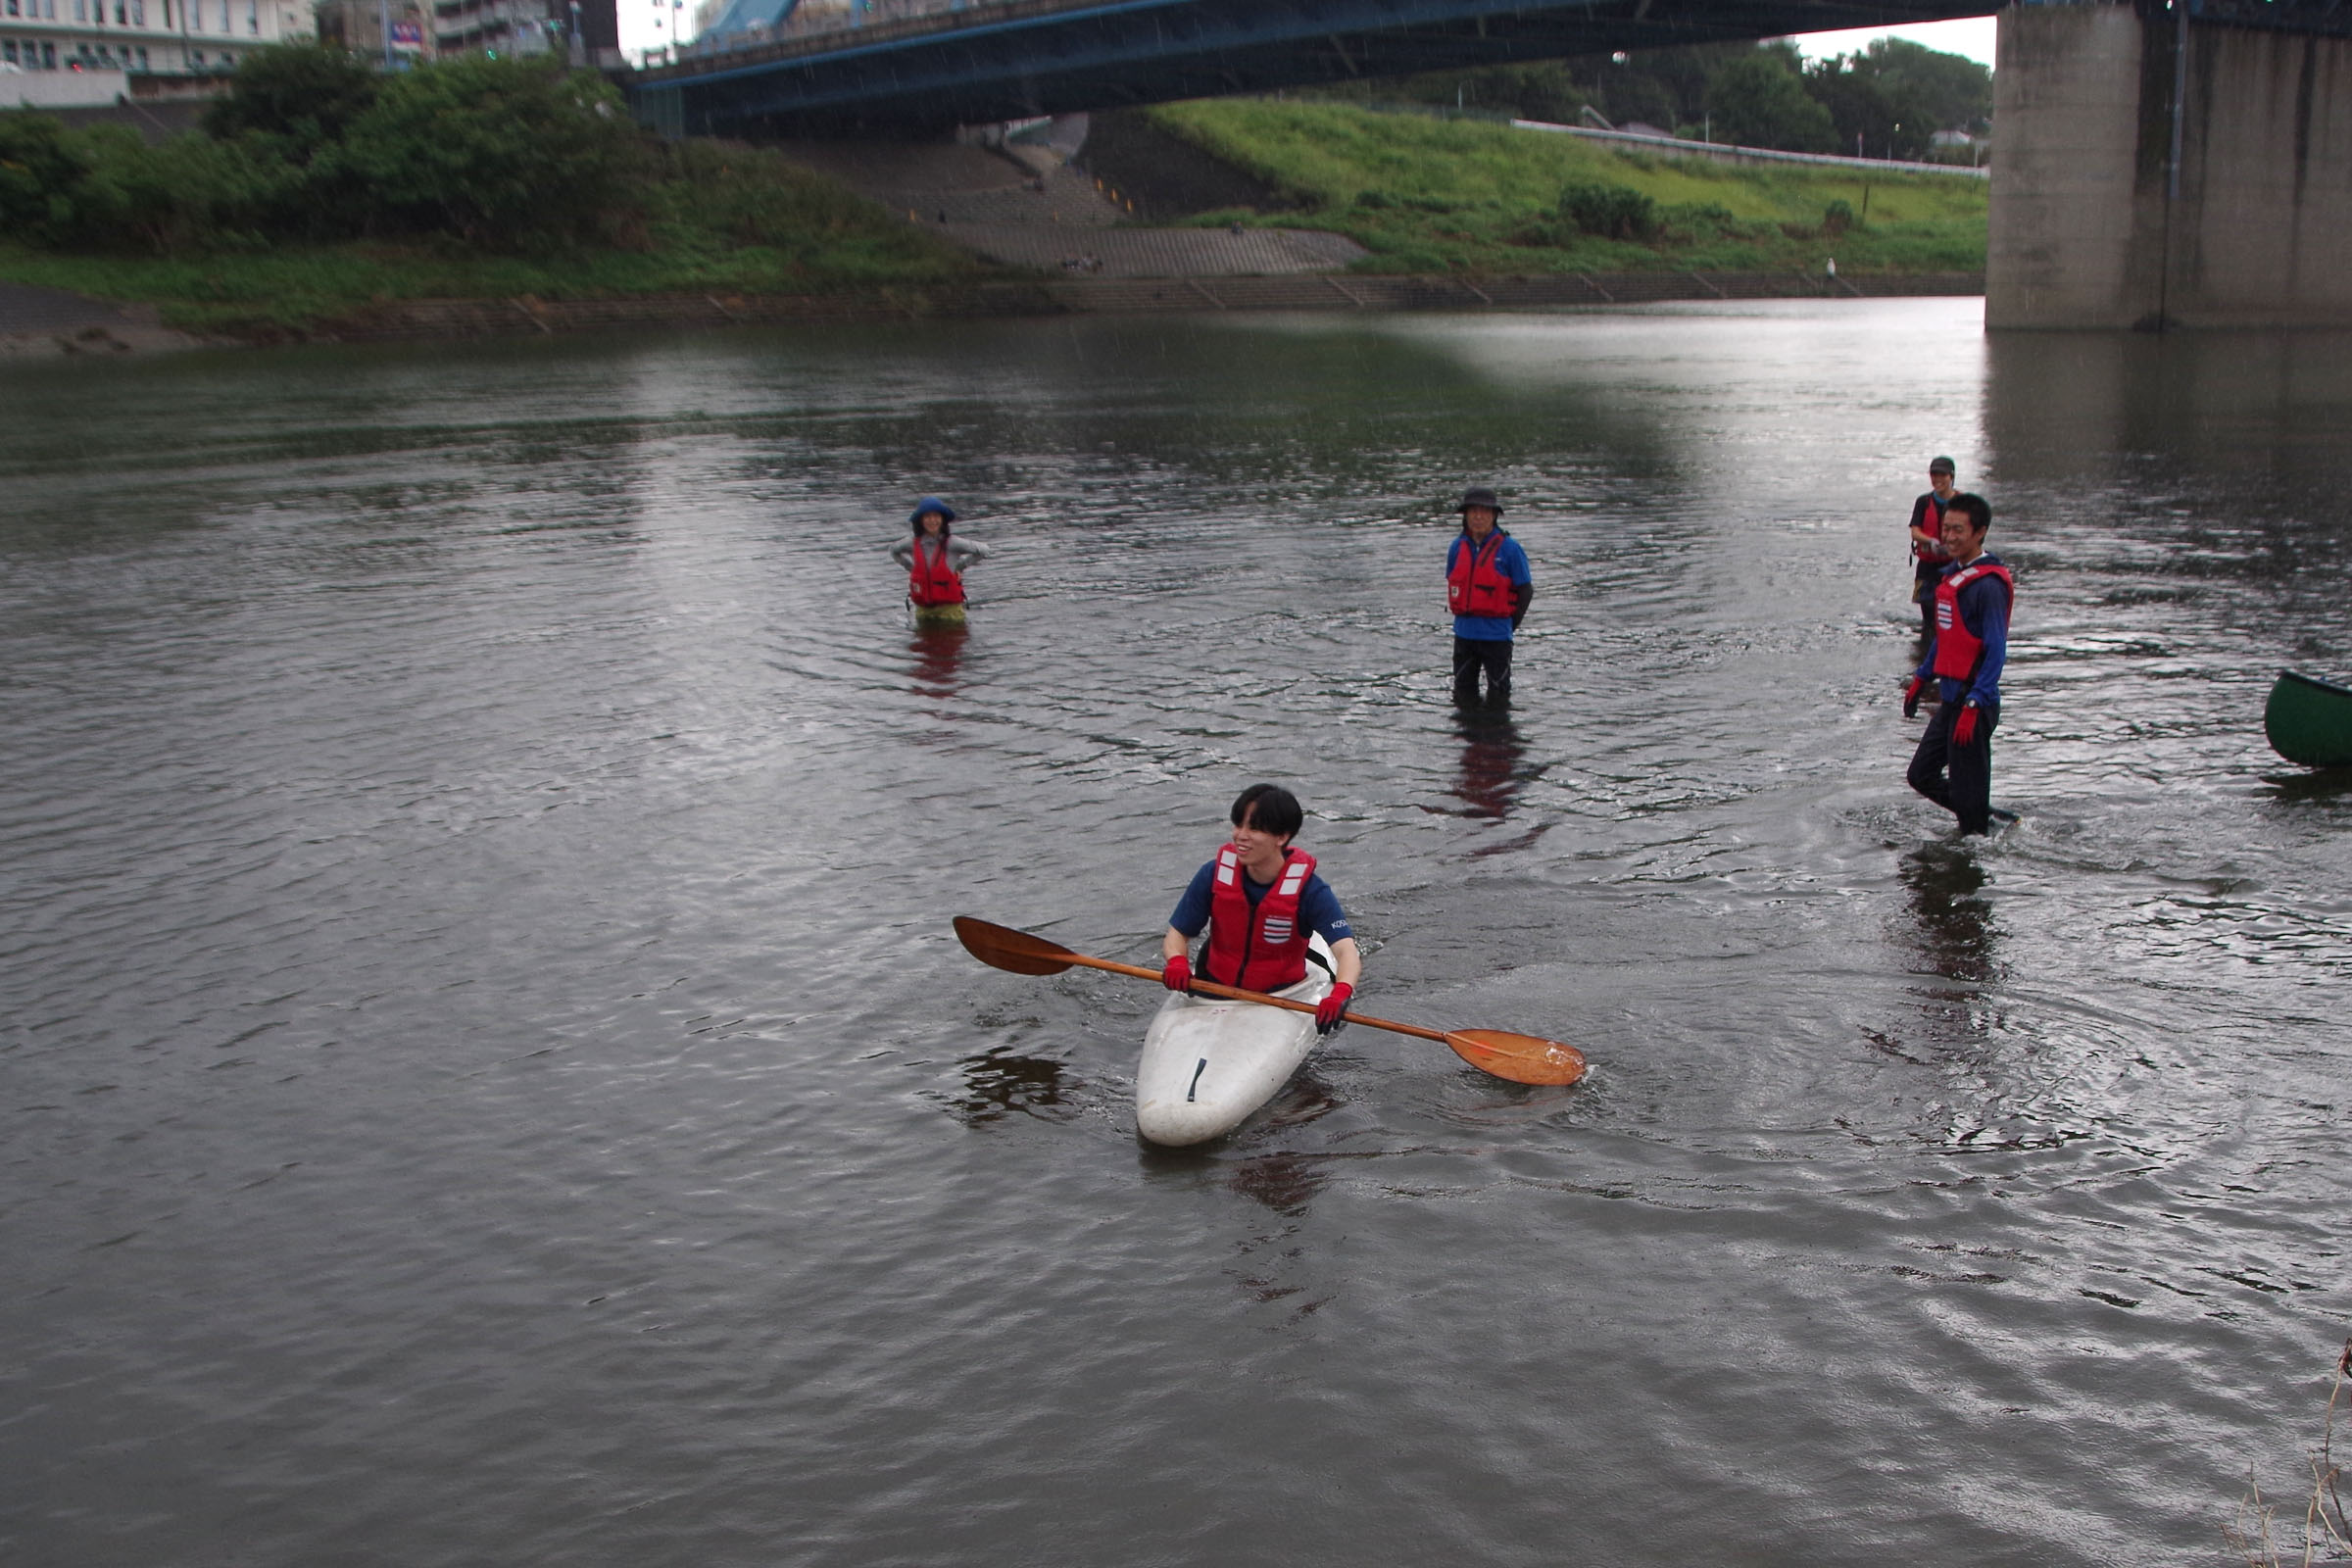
[[2310, 721]]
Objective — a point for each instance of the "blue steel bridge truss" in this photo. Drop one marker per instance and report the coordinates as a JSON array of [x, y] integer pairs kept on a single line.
[[1022, 58], [1014, 59]]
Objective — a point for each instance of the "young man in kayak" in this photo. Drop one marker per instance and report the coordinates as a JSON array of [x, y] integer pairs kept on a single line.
[[1259, 899], [935, 558], [1488, 588], [1953, 765], [1928, 559]]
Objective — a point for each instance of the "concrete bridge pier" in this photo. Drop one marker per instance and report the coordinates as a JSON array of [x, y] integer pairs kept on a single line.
[[2153, 171]]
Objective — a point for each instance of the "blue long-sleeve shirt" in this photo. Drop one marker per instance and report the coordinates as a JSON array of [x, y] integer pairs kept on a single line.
[[1511, 562], [1984, 612]]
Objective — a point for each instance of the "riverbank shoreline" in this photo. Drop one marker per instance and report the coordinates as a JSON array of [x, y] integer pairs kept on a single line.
[[420, 320]]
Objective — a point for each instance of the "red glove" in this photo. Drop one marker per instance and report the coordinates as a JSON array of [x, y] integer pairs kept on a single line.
[[1177, 973], [1333, 1008], [1964, 728], [1912, 694]]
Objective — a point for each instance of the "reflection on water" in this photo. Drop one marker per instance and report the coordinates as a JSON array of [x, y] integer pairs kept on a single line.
[[1490, 775], [504, 771], [999, 1082], [1492, 752], [1951, 919], [938, 658], [1286, 1183]]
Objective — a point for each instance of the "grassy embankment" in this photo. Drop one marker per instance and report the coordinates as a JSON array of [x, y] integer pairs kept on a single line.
[[716, 219], [1430, 195]]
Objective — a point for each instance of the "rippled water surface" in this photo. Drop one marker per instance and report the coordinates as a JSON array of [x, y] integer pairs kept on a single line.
[[485, 1075]]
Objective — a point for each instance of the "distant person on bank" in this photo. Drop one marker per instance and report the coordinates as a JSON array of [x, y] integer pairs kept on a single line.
[[935, 558], [1928, 558], [1488, 588], [1953, 765]]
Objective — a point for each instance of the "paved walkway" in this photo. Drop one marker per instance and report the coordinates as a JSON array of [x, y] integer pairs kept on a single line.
[[46, 323], [1158, 252], [24, 309]]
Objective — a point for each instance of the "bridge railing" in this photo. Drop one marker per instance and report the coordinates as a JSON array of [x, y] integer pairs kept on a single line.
[[1726, 152], [877, 21]]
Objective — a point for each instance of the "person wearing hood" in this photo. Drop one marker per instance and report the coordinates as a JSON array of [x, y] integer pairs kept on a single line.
[[1488, 587], [935, 558]]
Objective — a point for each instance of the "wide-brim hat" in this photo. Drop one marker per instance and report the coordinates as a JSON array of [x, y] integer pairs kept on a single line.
[[946, 514], [1475, 497]]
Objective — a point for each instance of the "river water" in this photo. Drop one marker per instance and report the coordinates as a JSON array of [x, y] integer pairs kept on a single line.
[[487, 1076]]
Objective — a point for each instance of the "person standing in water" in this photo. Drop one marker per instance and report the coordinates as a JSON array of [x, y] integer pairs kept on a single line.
[[1953, 765], [1488, 587], [1928, 559], [1260, 898], [935, 558]]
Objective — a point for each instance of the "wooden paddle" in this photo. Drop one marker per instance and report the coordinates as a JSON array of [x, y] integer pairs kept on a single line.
[[1522, 1058]]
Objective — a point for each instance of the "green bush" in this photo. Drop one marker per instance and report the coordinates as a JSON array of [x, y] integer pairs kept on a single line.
[[104, 188], [38, 172], [1610, 211], [1837, 218], [189, 193], [499, 153], [305, 96]]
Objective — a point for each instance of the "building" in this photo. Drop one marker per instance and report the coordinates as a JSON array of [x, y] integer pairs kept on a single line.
[[403, 28], [497, 26], [160, 37]]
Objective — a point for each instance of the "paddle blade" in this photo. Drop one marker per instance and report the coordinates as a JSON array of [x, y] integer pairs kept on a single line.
[[1522, 1058], [1007, 949]]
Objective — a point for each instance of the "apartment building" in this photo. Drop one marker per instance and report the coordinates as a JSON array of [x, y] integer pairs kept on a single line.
[[400, 28], [164, 37], [499, 27]]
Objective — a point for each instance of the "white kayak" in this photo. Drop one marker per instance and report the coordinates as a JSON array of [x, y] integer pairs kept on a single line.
[[1209, 1063]]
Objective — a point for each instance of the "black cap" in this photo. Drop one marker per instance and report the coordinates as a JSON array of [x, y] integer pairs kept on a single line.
[[1480, 498], [1940, 465]]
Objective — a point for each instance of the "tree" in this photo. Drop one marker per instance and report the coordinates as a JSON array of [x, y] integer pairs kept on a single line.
[[37, 170], [1759, 101], [1870, 122], [1953, 91], [302, 95], [498, 152]]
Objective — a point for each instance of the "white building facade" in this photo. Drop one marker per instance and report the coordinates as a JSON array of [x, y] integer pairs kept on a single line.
[[160, 37]]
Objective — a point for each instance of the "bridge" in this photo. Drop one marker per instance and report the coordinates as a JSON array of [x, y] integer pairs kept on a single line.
[[1005, 60], [2158, 163]]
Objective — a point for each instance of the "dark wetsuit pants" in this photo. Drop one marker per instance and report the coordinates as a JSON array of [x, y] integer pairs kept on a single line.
[[1958, 778], [1924, 578], [1473, 654]]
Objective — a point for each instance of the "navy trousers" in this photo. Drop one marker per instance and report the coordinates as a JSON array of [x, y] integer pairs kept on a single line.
[[1473, 654], [1958, 778]]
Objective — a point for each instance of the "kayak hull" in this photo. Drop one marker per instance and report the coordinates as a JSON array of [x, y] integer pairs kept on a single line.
[[2309, 720], [1209, 1064]]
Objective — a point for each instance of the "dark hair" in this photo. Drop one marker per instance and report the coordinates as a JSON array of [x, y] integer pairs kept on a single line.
[[1277, 811], [946, 522], [1979, 510]]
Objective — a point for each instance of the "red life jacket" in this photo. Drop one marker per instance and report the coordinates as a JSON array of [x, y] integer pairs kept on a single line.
[[1957, 648], [1931, 521], [1474, 587], [930, 580], [1262, 947]]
